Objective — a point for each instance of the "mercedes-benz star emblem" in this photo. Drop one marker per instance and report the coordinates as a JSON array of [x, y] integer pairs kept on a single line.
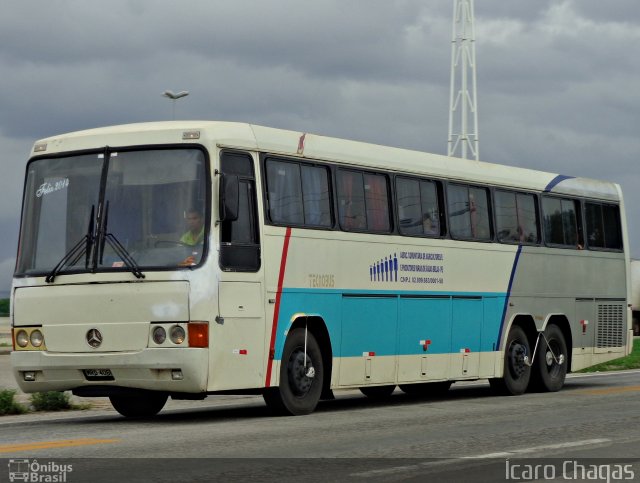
[[94, 338]]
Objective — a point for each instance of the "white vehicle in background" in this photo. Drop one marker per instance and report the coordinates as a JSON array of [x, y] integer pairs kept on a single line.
[[635, 295]]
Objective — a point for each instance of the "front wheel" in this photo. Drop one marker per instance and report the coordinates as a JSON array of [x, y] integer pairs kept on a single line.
[[139, 405], [517, 371], [301, 376]]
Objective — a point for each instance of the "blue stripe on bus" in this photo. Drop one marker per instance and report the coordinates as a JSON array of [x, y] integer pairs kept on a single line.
[[556, 181], [389, 322], [506, 300]]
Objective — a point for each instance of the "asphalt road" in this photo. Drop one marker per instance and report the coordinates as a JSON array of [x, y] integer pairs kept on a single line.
[[470, 434]]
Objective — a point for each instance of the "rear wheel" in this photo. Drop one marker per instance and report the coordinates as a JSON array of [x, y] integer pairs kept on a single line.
[[300, 377], [550, 368], [517, 372], [377, 392], [139, 405]]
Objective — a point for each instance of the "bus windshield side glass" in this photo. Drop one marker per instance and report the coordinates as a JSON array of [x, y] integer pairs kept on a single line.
[[151, 202]]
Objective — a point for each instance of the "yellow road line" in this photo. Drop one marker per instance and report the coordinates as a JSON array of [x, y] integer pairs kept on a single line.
[[609, 390], [14, 448]]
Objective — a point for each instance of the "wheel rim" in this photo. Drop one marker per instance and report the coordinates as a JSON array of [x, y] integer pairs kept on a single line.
[[517, 359], [301, 375], [553, 368]]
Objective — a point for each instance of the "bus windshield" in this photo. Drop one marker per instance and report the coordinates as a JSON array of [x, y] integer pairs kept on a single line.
[[111, 210]]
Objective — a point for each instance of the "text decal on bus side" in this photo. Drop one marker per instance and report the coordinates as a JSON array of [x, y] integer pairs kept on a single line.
[[409, 267]]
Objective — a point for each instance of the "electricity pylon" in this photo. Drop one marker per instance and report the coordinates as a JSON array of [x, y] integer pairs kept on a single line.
[[463, 106]]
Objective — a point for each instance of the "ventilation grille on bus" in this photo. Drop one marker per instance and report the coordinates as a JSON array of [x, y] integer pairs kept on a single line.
[[610, 331]]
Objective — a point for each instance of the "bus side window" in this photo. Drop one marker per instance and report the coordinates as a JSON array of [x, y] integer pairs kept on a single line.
[[351, 204], [418, 210], [298, 194], [239, 240], [562, 222], [516, 217], [469, 212], [603, 226], [363, 201]]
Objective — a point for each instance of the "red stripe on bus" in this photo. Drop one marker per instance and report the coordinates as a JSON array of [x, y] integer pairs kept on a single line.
[[276, 309]]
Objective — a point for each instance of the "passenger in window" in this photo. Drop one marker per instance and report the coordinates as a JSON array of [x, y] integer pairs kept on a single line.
[[428, 225], [473, 211], [595, 238]]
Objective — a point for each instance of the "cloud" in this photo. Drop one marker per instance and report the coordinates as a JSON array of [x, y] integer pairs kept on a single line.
[[557, 79]]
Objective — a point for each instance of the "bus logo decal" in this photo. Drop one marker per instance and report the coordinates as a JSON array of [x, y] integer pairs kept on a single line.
[[384, 270], [94, 338], [409, 267]]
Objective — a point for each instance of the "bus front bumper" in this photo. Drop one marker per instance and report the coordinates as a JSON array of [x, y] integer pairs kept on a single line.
[[168, 370]]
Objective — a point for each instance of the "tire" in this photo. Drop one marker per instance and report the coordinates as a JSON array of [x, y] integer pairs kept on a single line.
[[548, 374], [516, 372], [427, 388], [378, 392], [300, 388], [140, 405], [636, 325]]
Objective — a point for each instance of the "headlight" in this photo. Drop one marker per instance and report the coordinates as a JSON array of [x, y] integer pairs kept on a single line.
[[177, 334], [159, 335], [22, 339], [36, 338]]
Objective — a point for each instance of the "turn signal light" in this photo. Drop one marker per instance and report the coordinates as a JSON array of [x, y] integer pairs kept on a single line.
[[198, 334]]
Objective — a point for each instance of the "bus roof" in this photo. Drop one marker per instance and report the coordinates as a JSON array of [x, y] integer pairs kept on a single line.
[[323, 148]]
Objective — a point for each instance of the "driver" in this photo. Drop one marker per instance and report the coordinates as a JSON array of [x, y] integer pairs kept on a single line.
[[194, 236], [195, 222]]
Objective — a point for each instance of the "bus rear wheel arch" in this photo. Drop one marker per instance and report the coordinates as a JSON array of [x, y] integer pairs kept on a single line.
[[301, 376]]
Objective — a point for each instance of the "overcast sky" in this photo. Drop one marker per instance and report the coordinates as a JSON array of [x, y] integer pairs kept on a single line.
[[558, 81]]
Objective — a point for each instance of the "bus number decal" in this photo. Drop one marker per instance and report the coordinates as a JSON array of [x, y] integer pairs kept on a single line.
[[322, 280]]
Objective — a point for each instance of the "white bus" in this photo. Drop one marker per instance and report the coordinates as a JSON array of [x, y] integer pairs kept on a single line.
[[186, 259]]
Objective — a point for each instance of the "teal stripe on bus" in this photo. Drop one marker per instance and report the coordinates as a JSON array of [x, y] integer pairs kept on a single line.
[[395, 323]]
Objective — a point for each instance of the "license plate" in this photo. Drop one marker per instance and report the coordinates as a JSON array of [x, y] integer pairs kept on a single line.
[[98, 374]]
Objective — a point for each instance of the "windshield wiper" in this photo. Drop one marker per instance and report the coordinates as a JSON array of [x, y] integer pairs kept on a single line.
[[117, 247], [83, 247]]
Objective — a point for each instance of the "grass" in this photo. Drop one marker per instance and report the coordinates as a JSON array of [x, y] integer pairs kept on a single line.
[[50, 401], [54, 401], [4, 307], [39, 401], [632, 361], [8, 404]]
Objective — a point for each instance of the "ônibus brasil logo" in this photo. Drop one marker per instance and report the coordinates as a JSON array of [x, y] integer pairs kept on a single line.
[[33, 471]]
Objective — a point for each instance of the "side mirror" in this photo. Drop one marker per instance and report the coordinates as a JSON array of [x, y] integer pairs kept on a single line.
[[229, 197]]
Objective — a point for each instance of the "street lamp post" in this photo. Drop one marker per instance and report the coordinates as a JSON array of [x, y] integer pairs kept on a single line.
[[174, 97]]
